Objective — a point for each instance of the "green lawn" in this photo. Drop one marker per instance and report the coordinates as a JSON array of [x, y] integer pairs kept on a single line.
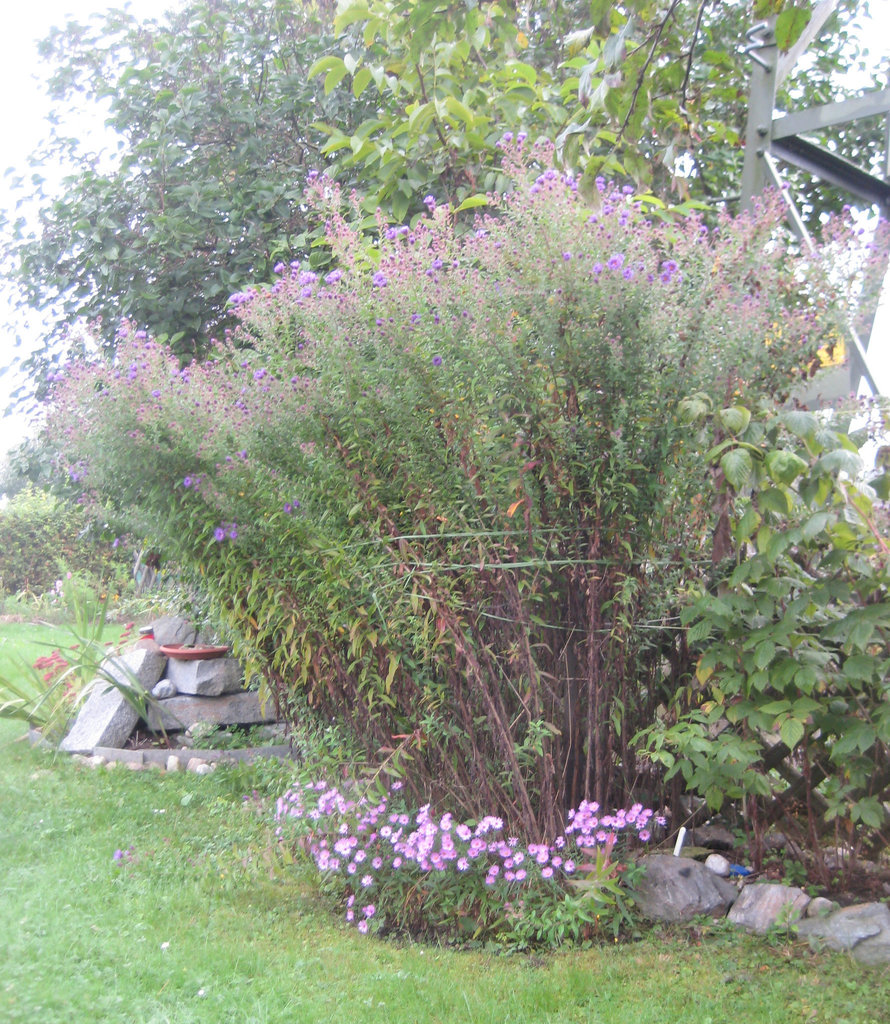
[[21, 643], [201, 921]]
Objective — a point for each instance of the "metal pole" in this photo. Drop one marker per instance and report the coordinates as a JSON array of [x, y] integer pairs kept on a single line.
[[761, 102]]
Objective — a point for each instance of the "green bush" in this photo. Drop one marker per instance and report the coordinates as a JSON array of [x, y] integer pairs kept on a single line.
[[43, 538], [446, 494], [788, 706]]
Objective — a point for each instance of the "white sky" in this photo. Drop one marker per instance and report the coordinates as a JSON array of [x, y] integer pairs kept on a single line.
[[25, 104], [22, 128]]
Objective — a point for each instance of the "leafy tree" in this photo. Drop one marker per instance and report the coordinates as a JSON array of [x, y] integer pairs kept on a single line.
[[221, 110], [636, 89], [211, 108]]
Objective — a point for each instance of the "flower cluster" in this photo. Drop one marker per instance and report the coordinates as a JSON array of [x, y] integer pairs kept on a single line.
[[367, 842]]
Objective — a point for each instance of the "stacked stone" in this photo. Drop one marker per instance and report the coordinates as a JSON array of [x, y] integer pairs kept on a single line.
[[182, 693]]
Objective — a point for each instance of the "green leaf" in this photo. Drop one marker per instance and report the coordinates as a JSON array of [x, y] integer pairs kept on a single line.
[[324, 64], [841, 460], [776, 499], [333, 78], [735, 419], [764, 653], [737, 467], [792, 732], [747, 524], [784, 467], [790, 23], [800, 423], [471, 202], [860, 667], [694, 408], [360, 81]]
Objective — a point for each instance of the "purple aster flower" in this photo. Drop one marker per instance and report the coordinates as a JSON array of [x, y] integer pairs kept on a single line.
[[437, 360], [219, 534], [156, 393], [233, 532], [334, 276], [379, 280], [616, 261], [363, 926], [187, 482]]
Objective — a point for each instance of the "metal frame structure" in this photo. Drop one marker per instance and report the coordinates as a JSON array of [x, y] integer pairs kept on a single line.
[[769, 138]]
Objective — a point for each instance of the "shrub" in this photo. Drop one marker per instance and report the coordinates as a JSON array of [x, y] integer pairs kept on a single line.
[[42, 537], [428, 876], [445, 493], [787, 708]]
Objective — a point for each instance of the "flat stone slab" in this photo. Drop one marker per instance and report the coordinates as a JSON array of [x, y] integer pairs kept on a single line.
[[139, 666], [864, 930], [764, 904], [205, 677], [106, 719], [182, 712], [678, 889]]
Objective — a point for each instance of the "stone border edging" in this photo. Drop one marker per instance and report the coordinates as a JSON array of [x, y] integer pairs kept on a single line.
[[161, 755]]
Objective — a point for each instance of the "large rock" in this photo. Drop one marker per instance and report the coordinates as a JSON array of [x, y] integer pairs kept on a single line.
[[107, 718], [678, 889], [139, 666], [205, 677], [864, 930], [171, 629], [765, 904], [182, 712]]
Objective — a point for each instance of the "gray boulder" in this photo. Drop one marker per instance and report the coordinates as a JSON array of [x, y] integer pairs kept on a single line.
[[864, 930], [182, 711], [164, 689], [205, 677], [765, 904], [679, 889], [139, 666], [171, 629], [107, 718]]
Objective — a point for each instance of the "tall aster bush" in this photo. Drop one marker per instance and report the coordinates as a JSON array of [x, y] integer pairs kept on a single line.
[[445, 493]]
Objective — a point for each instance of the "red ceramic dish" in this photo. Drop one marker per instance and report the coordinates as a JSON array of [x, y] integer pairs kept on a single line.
[[195, 652]]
